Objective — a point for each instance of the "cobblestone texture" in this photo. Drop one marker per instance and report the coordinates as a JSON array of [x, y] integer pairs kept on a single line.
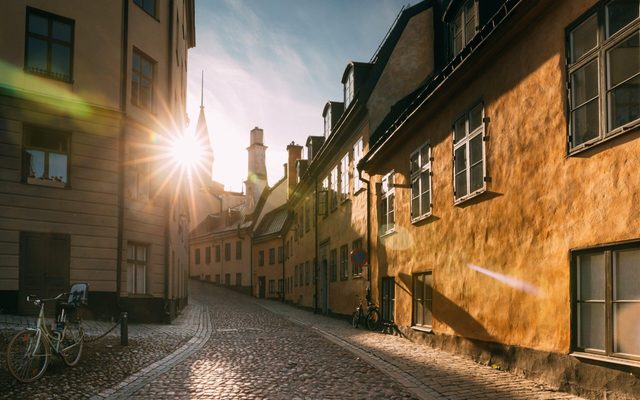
[[228, 345]]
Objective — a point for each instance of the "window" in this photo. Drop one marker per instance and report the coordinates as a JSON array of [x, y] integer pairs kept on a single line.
[[333, 260], [333, 193], [272, 255], [307, 273], [280, 254], [604, 44], [142, 79], [295, 276], [261, 258], [422, 299], [217, 253], [463, 26], [45, 157], [606, 300], [207, 255], [217, 279], [356, 269], [307, 215], [348, 89], [197, 256], [344, 177], [238, 250], [227, 251], [138, 178], [137, 268], [301, 277], [387, 213], [420, 167], [149, 6], [469, 154], [357, 156], [280, 286], [344, 262], [272, 286], [49, 45], [323, 194], [327, 122], [238, 279], [227, 279]]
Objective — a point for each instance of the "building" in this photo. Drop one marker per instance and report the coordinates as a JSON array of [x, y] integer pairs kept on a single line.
[[221, 245], [503, 200], [91, 96]]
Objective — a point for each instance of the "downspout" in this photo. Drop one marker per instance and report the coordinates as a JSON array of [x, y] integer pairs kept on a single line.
[[167, 232], [315, 239], [368, 230], [283, 274], [121, 148]]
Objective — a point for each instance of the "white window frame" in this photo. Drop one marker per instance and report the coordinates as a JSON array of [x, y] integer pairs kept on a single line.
[[327, 122], [344, 177], [464, 142], [357, 156], [333, 192], [598, 54], [421, 168], [348, 89], [387, 204]]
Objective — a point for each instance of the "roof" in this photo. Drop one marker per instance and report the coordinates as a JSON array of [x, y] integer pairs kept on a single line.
[[273, 222]]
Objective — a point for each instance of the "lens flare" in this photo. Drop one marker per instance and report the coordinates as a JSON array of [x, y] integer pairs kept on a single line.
[[509, 281], [187, 152]]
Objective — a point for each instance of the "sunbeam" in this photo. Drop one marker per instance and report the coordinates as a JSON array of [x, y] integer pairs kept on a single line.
[[509, 281]]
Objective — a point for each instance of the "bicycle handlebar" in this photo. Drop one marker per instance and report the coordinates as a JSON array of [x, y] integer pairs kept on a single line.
[[32, 298]]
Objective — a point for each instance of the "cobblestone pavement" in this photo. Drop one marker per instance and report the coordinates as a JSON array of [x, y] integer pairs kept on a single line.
[[234, 346], [104, 362]]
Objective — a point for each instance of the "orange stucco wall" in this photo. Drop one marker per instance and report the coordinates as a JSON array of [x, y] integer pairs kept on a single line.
[[539, 203]]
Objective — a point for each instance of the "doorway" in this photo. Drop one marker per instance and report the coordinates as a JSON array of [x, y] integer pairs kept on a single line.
[[44, 267], [261, 287], [323, 282], [388, 298]]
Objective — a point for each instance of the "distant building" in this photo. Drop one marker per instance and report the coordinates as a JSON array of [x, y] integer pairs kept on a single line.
[[91, 94]]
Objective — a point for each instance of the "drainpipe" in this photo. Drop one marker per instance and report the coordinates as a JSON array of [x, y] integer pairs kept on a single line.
[[167, 242], [283, 262], [121, 147], [315, 240], [368, 230]]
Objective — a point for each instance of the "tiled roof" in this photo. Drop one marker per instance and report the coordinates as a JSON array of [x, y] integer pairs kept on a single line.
[[273, 222]]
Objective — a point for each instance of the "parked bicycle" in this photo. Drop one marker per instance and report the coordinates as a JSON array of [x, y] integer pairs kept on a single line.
[[371, 317], [29, 350]]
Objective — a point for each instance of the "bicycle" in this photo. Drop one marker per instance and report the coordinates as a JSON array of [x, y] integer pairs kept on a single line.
[[29, 350], [372, 318]]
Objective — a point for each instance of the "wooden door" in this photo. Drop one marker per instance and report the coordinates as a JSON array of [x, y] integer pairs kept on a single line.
[[44, 267]]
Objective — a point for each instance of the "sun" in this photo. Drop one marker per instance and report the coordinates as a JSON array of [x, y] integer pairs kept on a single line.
[[186, 152]]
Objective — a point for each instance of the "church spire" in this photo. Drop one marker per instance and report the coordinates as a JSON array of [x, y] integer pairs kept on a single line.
[[202, 134]]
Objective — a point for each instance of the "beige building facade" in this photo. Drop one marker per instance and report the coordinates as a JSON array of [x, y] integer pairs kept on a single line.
[[88, 97]]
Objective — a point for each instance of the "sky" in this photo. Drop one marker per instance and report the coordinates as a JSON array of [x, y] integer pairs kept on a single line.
[[274, 64]]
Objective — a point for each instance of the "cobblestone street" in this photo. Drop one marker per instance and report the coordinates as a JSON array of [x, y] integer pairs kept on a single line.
[[229, 345]]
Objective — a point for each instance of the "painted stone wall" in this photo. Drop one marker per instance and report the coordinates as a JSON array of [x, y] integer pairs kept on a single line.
[[501, 261]]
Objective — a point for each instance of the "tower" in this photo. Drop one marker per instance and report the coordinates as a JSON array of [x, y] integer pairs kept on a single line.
[[257, 168], [202, 137]]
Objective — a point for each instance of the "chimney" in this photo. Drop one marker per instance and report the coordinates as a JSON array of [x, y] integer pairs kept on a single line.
[[295, 154]]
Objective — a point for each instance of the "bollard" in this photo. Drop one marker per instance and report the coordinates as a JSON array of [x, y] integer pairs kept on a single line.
[[124, 329]]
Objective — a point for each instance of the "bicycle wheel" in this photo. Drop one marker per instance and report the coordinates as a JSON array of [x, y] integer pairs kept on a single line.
[[27, 356], [355, 319], [373, 320], [71, 345]]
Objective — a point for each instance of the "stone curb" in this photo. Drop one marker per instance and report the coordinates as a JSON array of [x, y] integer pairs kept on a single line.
[[135, 382]]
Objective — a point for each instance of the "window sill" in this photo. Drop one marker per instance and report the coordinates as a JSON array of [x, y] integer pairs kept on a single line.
[[421, 218], [605, 359], [345, 200], [357, 276], [471, 196], [47, 183], [388, 233], [356, 192], [426, 329], [593, 143]]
